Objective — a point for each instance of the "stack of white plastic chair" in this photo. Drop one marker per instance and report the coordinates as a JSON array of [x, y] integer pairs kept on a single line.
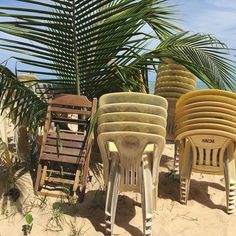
[[173, 80], [206, 129], [131, 138]]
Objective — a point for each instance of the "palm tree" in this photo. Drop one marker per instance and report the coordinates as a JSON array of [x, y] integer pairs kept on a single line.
[[92, 47]]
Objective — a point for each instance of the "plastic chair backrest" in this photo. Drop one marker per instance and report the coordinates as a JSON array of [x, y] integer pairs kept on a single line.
[[132, 97], [175, 84], [211, 115], [132, 126], [223, 104], [170, 94], [172, 89], [132, 116], [205, 126], [207, 95], [133, 107], [130, 146], [176, 78], [208, 120], [209, 109], [208, 149]]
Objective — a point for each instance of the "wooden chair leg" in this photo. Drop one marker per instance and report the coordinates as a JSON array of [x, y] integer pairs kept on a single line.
[[38, 177], [85, 177], [76, 181], [43, 177], [147, 197], [185, 173], [112, 196]]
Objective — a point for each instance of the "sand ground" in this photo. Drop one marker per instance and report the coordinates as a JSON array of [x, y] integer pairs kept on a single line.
[[205, 213]]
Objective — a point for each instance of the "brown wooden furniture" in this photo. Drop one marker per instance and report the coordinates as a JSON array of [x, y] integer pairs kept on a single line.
[[66, 147]]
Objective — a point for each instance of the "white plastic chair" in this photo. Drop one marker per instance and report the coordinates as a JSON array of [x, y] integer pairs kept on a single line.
[[133, 107], [132, 97], [131, 138], [128, 154], [132, 116]]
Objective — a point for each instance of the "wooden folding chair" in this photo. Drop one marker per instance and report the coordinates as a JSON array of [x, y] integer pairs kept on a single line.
[[66, 147]]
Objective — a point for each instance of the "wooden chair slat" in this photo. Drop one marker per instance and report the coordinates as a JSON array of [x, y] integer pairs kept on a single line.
[[64, 150], [63, 158], [70, 111]]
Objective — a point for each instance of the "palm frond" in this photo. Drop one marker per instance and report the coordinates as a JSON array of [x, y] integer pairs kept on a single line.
[[203, 55], [22, 105], [82, 41]]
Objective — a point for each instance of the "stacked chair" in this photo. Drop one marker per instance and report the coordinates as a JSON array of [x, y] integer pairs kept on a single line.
[[173, 80], [131, 138], [66, 147], [206, 129]]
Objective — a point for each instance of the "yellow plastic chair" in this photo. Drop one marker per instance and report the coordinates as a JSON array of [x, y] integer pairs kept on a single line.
[[222, 104], [205, 128], [132, 116], [132, 97], [208, 109], [206, 120], [208, 151], [176, 78], [207, 95], [172, 89], [128, 155], [177, 84], [210, 115]]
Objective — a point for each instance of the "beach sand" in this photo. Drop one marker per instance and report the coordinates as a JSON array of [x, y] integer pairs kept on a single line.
[[205, 213]]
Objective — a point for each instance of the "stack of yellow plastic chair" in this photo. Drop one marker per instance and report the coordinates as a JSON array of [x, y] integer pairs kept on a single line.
[[173, 80], [131, 138], [206, 129]]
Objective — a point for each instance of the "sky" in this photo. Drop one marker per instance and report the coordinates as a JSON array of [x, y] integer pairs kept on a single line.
[[216, 17]]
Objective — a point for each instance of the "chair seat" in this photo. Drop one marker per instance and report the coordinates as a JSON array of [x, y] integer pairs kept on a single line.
[[65, 147]]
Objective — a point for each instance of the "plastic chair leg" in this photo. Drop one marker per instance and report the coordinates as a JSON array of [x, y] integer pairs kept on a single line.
[[176, 157], [185, 173], [147, 197], [230, 180], [112, 195]]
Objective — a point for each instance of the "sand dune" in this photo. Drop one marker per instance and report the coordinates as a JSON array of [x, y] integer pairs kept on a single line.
[[205, 213]]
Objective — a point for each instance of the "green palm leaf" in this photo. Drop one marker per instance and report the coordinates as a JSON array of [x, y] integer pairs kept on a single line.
[[203, 55], [24, 107], [84, 42]]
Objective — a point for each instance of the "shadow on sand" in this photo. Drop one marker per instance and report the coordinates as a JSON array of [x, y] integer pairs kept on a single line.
[[93, 209]]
